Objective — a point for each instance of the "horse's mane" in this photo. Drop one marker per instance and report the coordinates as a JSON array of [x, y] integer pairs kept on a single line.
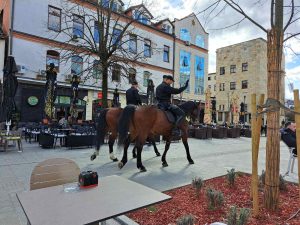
[[188, 106]]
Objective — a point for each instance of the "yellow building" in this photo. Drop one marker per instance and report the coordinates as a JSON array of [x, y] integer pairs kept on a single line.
[[241, 69]]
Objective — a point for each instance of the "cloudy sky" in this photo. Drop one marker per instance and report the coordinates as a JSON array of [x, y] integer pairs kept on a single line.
[[259, 10]]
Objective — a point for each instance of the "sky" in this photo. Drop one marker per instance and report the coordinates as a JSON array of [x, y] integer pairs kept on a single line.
[[259, 10]]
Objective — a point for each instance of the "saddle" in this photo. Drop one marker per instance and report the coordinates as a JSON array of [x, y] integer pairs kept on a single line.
[[170, 116]]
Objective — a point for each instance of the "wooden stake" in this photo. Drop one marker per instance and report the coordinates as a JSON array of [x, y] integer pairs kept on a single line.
[[297, 119], [255, 127]]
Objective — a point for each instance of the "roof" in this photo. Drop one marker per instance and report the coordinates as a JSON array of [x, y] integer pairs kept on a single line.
[[190, 15], [161, 21], [138, 7], [240, 43]]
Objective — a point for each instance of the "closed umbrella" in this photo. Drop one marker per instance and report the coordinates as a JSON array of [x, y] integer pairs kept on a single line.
[[207, 111], [235, 110], [10, 86]]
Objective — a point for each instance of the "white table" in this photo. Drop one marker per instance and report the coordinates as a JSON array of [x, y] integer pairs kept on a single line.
[[114, 196]]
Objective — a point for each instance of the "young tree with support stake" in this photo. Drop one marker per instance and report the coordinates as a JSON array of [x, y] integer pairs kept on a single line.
[[101, 35], [277, 35]]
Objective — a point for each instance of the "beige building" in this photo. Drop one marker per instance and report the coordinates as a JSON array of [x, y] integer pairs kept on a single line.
[[241, 69], [212, 83], [191, 57]]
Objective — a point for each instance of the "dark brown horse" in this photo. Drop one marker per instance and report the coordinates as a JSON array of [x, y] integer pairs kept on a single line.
[[149, 121], [108, 124]]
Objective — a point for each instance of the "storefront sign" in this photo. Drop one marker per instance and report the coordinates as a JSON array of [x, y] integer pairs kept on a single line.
[[33, 100]]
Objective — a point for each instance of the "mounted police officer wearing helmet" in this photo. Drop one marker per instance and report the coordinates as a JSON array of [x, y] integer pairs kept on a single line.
[[164, 93], [132, 95]]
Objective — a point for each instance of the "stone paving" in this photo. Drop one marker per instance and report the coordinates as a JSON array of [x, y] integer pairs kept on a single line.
[[212, 158]]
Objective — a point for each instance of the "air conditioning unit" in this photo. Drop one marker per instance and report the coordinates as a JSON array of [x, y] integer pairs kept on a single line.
[[42, 73], [21, 69], [187, 43]]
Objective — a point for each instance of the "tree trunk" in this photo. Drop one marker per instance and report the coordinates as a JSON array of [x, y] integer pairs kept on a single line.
[[274, 55], [104, 87]]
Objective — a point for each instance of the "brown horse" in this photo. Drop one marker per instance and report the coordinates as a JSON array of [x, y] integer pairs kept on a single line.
[[108, 124], [149, 120]]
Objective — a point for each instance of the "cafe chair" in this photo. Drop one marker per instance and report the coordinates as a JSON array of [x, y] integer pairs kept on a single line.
[[53, 172]]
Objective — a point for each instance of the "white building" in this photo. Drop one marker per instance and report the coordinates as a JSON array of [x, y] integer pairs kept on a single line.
[[35, 41]]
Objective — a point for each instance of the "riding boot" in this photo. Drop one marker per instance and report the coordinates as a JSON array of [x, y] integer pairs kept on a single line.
[[178, 120]]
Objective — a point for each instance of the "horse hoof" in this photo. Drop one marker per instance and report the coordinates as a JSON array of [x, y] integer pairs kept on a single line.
[[157, 154], [165, 164], [134, 156], [115, 160], [142, 169], [120, 165], [93, 157], [191, 162]]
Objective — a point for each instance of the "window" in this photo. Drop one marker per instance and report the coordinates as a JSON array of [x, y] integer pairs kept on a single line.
[[52, 57], [54, 18], [76, 65], [78, 26], [215, 87], [116, 36], [222, 70], [209, 78], [146, 77], [185, 35], [220, 116], [141, 18], [116, 73], [222, 87], [97, 72], [232, 85], [220, 107], [200, 41], [244, 84], [209, 86], [215, 77], [96, 32], [147, 48], [199, 75], [133, 43], [166, 28], [233, 69], [166, 53], [244, 67], [185, 68], [131, 75]]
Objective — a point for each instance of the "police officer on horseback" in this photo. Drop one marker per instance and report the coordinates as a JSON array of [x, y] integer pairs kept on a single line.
[[164, 92], [132, 95]]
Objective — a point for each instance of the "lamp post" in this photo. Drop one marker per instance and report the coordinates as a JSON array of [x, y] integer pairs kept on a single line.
[[244, 117]]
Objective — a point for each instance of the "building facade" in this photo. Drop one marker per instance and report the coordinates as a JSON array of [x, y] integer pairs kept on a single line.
[[191, 57], [35, 40], [241, 70]]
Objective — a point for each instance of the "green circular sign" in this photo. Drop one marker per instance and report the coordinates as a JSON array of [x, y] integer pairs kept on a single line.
[[33, 101]]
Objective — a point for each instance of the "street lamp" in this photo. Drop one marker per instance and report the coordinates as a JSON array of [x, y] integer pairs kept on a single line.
[[244, 117]]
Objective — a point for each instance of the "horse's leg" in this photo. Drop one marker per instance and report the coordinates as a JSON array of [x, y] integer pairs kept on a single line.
[[111, 143], [134, 152], [167, 146], [124, 160], [155, 148], [139, 147], [186, 145]]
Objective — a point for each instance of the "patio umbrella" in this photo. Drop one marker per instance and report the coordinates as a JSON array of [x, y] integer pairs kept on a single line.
[[207, 111], [74, 85], [50, 90], [234, 109], [242, 114], [10, 86]]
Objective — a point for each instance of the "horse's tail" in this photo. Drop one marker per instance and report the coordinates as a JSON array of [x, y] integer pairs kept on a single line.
[[101, 129], [124, 122]]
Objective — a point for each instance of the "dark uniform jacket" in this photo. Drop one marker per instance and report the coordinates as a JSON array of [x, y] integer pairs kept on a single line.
[[133, 97], [289, 137], [164, 92]]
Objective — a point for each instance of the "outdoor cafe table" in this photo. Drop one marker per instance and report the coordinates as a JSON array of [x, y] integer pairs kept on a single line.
[[113, 196]]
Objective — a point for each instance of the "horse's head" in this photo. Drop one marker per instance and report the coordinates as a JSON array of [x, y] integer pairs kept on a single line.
[[191, 109]]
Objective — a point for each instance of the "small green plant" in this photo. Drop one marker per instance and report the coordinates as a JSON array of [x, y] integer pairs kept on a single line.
[[235, 218], [282, 183], [152, 209], [231, 177], [215, 198], [197, 183], [262, 178], [186, 220]]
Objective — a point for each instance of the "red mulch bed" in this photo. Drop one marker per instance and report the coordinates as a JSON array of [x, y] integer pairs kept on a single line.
[[184, 202]]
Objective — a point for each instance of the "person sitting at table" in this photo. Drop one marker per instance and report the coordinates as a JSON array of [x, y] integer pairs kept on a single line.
[[288, 136], [63, 122]]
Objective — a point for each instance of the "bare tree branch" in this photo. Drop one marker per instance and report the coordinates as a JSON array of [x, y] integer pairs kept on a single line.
[[291, 17]]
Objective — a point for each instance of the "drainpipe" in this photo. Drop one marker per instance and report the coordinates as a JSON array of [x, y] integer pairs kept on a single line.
[[174, 58], [12, 10]]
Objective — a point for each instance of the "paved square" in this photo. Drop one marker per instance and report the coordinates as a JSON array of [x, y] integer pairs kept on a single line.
[[212, 158]]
